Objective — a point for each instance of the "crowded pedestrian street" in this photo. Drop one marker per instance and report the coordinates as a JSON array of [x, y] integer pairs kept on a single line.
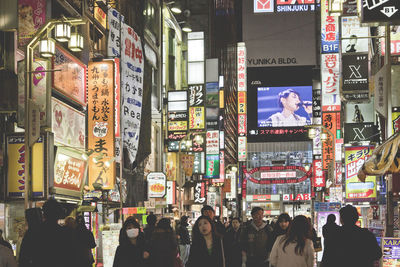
[[199, 133]]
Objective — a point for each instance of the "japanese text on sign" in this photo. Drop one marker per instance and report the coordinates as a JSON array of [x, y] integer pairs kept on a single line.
[[241, 67]]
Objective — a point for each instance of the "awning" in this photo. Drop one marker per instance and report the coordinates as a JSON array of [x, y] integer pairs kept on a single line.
[[384, 159]]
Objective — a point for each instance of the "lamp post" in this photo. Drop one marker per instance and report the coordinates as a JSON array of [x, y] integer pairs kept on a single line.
[[47, 49]]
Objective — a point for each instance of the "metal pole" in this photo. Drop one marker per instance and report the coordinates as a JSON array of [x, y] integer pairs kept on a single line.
[[389, 195]]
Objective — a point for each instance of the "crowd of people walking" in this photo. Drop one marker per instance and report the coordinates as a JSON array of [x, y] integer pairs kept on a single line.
[[256, 243]]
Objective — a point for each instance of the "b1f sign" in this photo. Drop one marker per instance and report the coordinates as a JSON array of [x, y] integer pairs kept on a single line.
[[261, 6]]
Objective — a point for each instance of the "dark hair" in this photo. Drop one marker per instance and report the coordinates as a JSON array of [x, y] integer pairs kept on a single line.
[[197, 237], [299, 230], [123, 237], [284, 217], [52, 210], [34, 217], [164, 224], [255, 210], [184, 219], [331, 218], [236, 218], [151, 219], [285, 94], [205, 208], [348, 214]]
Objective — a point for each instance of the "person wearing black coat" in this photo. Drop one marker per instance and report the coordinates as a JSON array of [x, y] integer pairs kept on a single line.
[[85, 244], [130, 252], [207, 247], [184, 239], [232, 244], [34, 218], [330, 232]]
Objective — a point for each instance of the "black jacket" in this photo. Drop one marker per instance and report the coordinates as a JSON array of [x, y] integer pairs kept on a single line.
[[199, 256], [129, 255], [163, 248], [184, 237], [330, 232], [233, 249]]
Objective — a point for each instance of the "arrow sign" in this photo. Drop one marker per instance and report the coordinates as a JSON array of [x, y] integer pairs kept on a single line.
[[389, 11]]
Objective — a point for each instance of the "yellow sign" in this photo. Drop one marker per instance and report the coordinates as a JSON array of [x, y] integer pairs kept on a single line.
[[101, 123], [100, 16], [177, 126], [16, 167], [196, 118], [242, 107], [171, 167], [395, 120]]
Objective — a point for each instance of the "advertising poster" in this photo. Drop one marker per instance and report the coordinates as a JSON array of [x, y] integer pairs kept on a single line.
[[156, 184], [355, 73], [284, 106], [177, 125], [31, 16], [171, 166], [16, 167], [351, 33], [360, 112], [391, 252], [101, 123], [359, 132], [69, 172], [196, 118], [212, 95], [114, 37], [132, 64], [212, 142], [68, 125], [212, 166], [71, 80], [355, 189]]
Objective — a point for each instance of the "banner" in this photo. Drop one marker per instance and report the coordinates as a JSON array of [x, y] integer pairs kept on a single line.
[[355, 189], [114, 37], [355, 73], [212, 166], [156, 184], [31, 17], [16, 167], [101, 123], [132, 89]]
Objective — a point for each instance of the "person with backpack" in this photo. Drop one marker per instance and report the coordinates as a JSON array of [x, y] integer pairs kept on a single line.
[[255, 241]]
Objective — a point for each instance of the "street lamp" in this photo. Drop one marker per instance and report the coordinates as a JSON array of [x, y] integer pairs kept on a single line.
[[47, 49]]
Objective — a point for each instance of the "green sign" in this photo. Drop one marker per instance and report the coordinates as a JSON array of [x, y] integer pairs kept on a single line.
[[212, 166]]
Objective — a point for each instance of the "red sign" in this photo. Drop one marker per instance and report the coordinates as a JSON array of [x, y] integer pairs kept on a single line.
[[263, 6], [117, 97], [331, 121], [338, 171], [287, 197], [261, 197], [242, 122], [68, 172], [319, 178]]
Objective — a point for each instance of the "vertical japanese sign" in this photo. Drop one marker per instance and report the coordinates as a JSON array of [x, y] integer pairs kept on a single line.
[[196, 95], [330, 76], [241, 67], [329, 30], [242, 148], [212, 142], [101, 123], [212, 166], [115, 19], [132, 89], [319, 178], [117, 106], [31, 16], [331, 121], [242, 111], [196, 118], [355, 189], [199, 193]]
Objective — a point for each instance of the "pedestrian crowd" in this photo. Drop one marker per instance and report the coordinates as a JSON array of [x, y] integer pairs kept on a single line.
[[256, 243]]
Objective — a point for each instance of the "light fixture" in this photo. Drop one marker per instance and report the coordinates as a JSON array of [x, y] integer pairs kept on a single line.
[[176, 8], [86, 155], [63, 31], [47, 47], [324, 136], [186, 27], [75, 43], [234, 169], [335, 7], [108, 162], [312, 133]]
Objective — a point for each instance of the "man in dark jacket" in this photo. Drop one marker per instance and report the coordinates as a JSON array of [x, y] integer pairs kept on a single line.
[[151, 225], [209, 212], [184, 239], [330, 232], [357, 246], [255, 241]]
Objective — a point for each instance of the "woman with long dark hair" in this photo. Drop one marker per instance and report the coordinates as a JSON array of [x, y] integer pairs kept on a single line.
[[207, 248], [295, 248], [130, 252]]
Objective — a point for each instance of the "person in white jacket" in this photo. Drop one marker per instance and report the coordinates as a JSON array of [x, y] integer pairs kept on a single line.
[[295, 248]]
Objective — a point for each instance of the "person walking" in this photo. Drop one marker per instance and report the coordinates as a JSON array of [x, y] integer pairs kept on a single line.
[[232, 244], [151, 225], [207, 247], [356, 246], [330, 232], [163, 247], [295, 248], [219, 226], [34, 218], [130, 252], [280, 227], [184, 239], [255, 241], [3, 241], [7, 257], [85, 244]]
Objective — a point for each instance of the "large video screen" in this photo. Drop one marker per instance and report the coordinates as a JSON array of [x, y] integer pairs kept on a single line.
[[284, 106]]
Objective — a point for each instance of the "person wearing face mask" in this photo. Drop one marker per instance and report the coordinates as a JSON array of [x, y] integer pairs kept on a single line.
[[281, 227], [232, 244], [207, 247], [130, 252]]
